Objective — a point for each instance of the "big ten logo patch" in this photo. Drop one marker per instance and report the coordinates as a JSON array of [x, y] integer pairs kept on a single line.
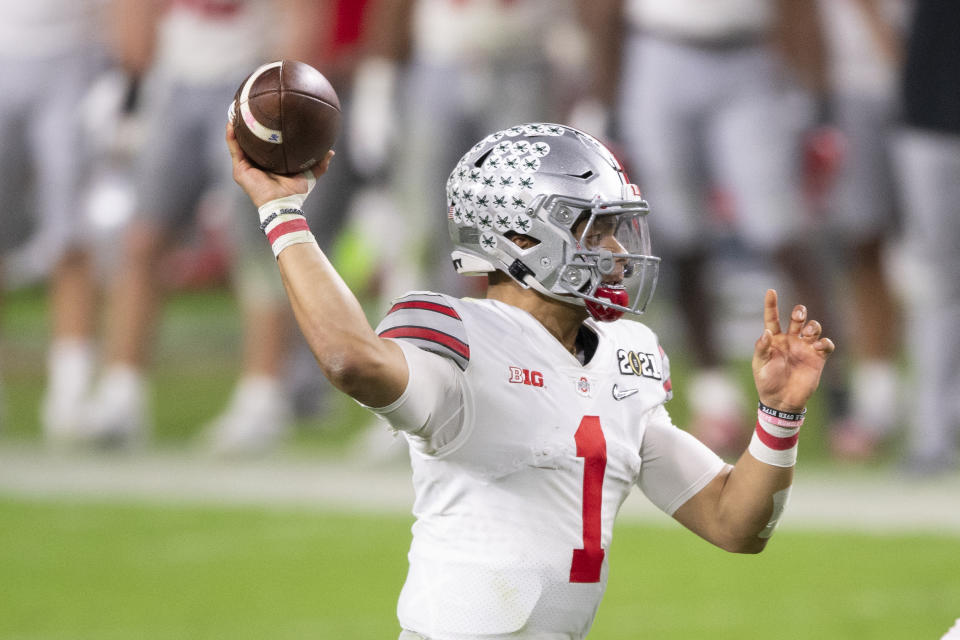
[[639, 363], [525, 376]]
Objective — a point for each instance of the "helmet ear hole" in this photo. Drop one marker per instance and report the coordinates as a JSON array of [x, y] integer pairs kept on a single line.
[[520, 272]]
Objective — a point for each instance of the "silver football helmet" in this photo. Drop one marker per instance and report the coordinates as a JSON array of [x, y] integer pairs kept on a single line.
[[567, 192]]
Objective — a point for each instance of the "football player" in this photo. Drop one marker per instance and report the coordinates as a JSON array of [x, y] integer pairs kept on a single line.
[[532, 413], [193, 54], [50, 54], [865, 41], [927, 165]]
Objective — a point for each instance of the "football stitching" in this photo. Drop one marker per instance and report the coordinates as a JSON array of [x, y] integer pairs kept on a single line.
[[313, 98]]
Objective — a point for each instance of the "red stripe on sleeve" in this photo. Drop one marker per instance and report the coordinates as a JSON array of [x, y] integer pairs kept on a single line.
[[775, 443], [432, 335], [426, 306], [290, 226]]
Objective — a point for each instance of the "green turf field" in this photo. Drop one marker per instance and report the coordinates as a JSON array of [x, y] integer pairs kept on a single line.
[[85, 569], [93, 570]]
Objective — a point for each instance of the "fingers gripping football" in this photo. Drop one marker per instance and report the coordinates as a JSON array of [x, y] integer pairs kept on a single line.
[[787, 365], [263, 186]]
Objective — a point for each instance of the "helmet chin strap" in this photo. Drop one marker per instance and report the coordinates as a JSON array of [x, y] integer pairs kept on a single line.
[[531, 282], [598, 311]]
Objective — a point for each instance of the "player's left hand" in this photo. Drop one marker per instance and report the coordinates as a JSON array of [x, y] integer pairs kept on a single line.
[[787, 366], [263, 186]]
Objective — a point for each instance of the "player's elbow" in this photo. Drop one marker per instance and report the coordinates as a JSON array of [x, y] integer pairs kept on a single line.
[[745, 545], [348, 369], [355, 369]]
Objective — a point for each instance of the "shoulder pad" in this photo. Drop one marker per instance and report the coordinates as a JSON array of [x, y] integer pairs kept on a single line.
[[429, 322]]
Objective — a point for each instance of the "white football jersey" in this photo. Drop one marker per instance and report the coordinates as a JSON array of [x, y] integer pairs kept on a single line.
[[698, 20], [856, 63], [203, 41], [48, 28], [515, 503], [463, 31]]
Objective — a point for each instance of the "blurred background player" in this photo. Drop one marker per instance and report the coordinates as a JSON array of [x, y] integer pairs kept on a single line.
[[193, 55], [338, 39], [49, 54], [864, 39], [928, 169], [718, 96], [457, 69]]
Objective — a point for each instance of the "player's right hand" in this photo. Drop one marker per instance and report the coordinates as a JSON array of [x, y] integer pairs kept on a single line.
[[263, 186]]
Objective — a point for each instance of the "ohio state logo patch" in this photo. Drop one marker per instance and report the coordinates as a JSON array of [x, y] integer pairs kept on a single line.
[[583, 386]]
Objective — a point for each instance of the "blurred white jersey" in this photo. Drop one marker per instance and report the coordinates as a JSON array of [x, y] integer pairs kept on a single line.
[[201, 41], [857, 65], [699, 20], [459, 31], [516, 504], [47, 28]]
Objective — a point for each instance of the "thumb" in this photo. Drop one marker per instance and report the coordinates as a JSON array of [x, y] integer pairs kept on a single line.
[[325, 163]]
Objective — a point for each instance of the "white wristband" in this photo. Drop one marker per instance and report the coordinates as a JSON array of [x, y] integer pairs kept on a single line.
[[775, 444], [293, 201]]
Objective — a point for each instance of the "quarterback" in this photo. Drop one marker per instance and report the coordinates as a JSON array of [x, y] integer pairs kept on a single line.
[[532, 413]]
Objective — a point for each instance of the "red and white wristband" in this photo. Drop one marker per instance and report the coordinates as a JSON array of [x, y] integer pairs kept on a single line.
[[282, 221], [284, 228], [775, 438]]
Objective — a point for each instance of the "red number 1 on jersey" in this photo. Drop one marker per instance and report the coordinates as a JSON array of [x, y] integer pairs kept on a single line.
[[592, 447]]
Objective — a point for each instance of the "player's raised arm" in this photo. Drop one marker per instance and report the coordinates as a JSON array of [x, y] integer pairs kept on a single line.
[[739, 509], [349, 352]]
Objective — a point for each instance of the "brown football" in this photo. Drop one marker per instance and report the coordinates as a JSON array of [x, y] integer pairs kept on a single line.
[[286, 116]]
